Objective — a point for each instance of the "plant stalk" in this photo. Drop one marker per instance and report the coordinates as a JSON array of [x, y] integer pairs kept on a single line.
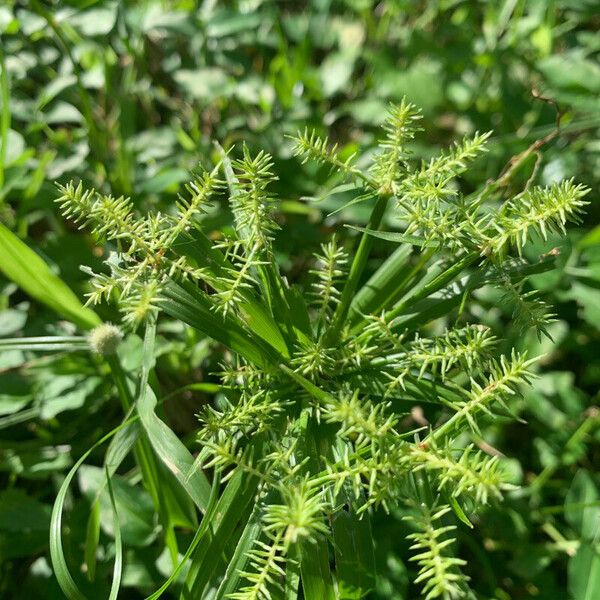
[[356, 270], [4, 116]]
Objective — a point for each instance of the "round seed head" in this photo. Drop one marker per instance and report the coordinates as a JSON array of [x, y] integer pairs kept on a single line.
[[105, 339]]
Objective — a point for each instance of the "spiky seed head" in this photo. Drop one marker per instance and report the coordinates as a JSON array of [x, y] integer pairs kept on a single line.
[[105, 339]]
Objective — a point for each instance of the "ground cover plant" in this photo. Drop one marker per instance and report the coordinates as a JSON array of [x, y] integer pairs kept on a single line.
[[308, 435], [127, 99]]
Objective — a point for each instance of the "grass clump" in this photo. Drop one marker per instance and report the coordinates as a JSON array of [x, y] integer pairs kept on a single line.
[[313, 432]]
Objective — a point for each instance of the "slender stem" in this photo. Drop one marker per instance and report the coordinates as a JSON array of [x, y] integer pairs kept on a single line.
[[438, 283], [86, 102], [5, 116], [61, 343], [402, 280], [356, 270], [145, 456], [20, 417]]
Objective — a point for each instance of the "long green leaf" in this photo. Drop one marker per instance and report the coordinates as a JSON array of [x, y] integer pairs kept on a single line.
[[292, 573], [57, 556], [383, 284], [192, 308], [415, 313], [165, 443], [164, 489], [354, 554], [241, 557], [23, 266], [232, 507], [92, 537], [198, 537], [4, 115], [356, 270], [436, 284], [310, 387], [120, 446], [46, 344], [118, 566], [317, 581], [392, 236], [258, 318]]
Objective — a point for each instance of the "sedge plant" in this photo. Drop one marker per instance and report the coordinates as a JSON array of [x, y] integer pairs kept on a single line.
[[312, 431]]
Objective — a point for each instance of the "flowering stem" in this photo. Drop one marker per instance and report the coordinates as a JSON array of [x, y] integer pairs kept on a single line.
[[356, 270]]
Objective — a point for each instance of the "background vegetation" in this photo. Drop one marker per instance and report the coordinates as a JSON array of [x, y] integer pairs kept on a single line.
[[129, 97]]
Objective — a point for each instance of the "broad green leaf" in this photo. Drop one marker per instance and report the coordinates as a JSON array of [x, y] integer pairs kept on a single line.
[[11, 321], [584, 573], [15, 146], [571, 71], [24, 523], [585, 519], [20, 512], [229, 22], [354, 554], [65, 392], [335, 72], [95, 21], [205, 84], [317, 581], [134, 505]]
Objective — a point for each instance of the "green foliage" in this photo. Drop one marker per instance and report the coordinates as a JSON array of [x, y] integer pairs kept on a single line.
[[277, 410], [438, 569]]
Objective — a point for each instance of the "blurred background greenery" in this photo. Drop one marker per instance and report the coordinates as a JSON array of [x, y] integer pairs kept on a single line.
[[129, 97]]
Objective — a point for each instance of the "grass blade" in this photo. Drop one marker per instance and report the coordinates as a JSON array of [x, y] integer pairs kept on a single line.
[[92, 537], [46, 344], [317, 581], [23, 266], [354, 554], [239, 561], [118, 566], [356, 271], [231, 508], [57, 556], [383, 284], [200, 533], [292, 573], [195, 311], [392, 236], [439, 282], [165, 443], [4, 115]]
